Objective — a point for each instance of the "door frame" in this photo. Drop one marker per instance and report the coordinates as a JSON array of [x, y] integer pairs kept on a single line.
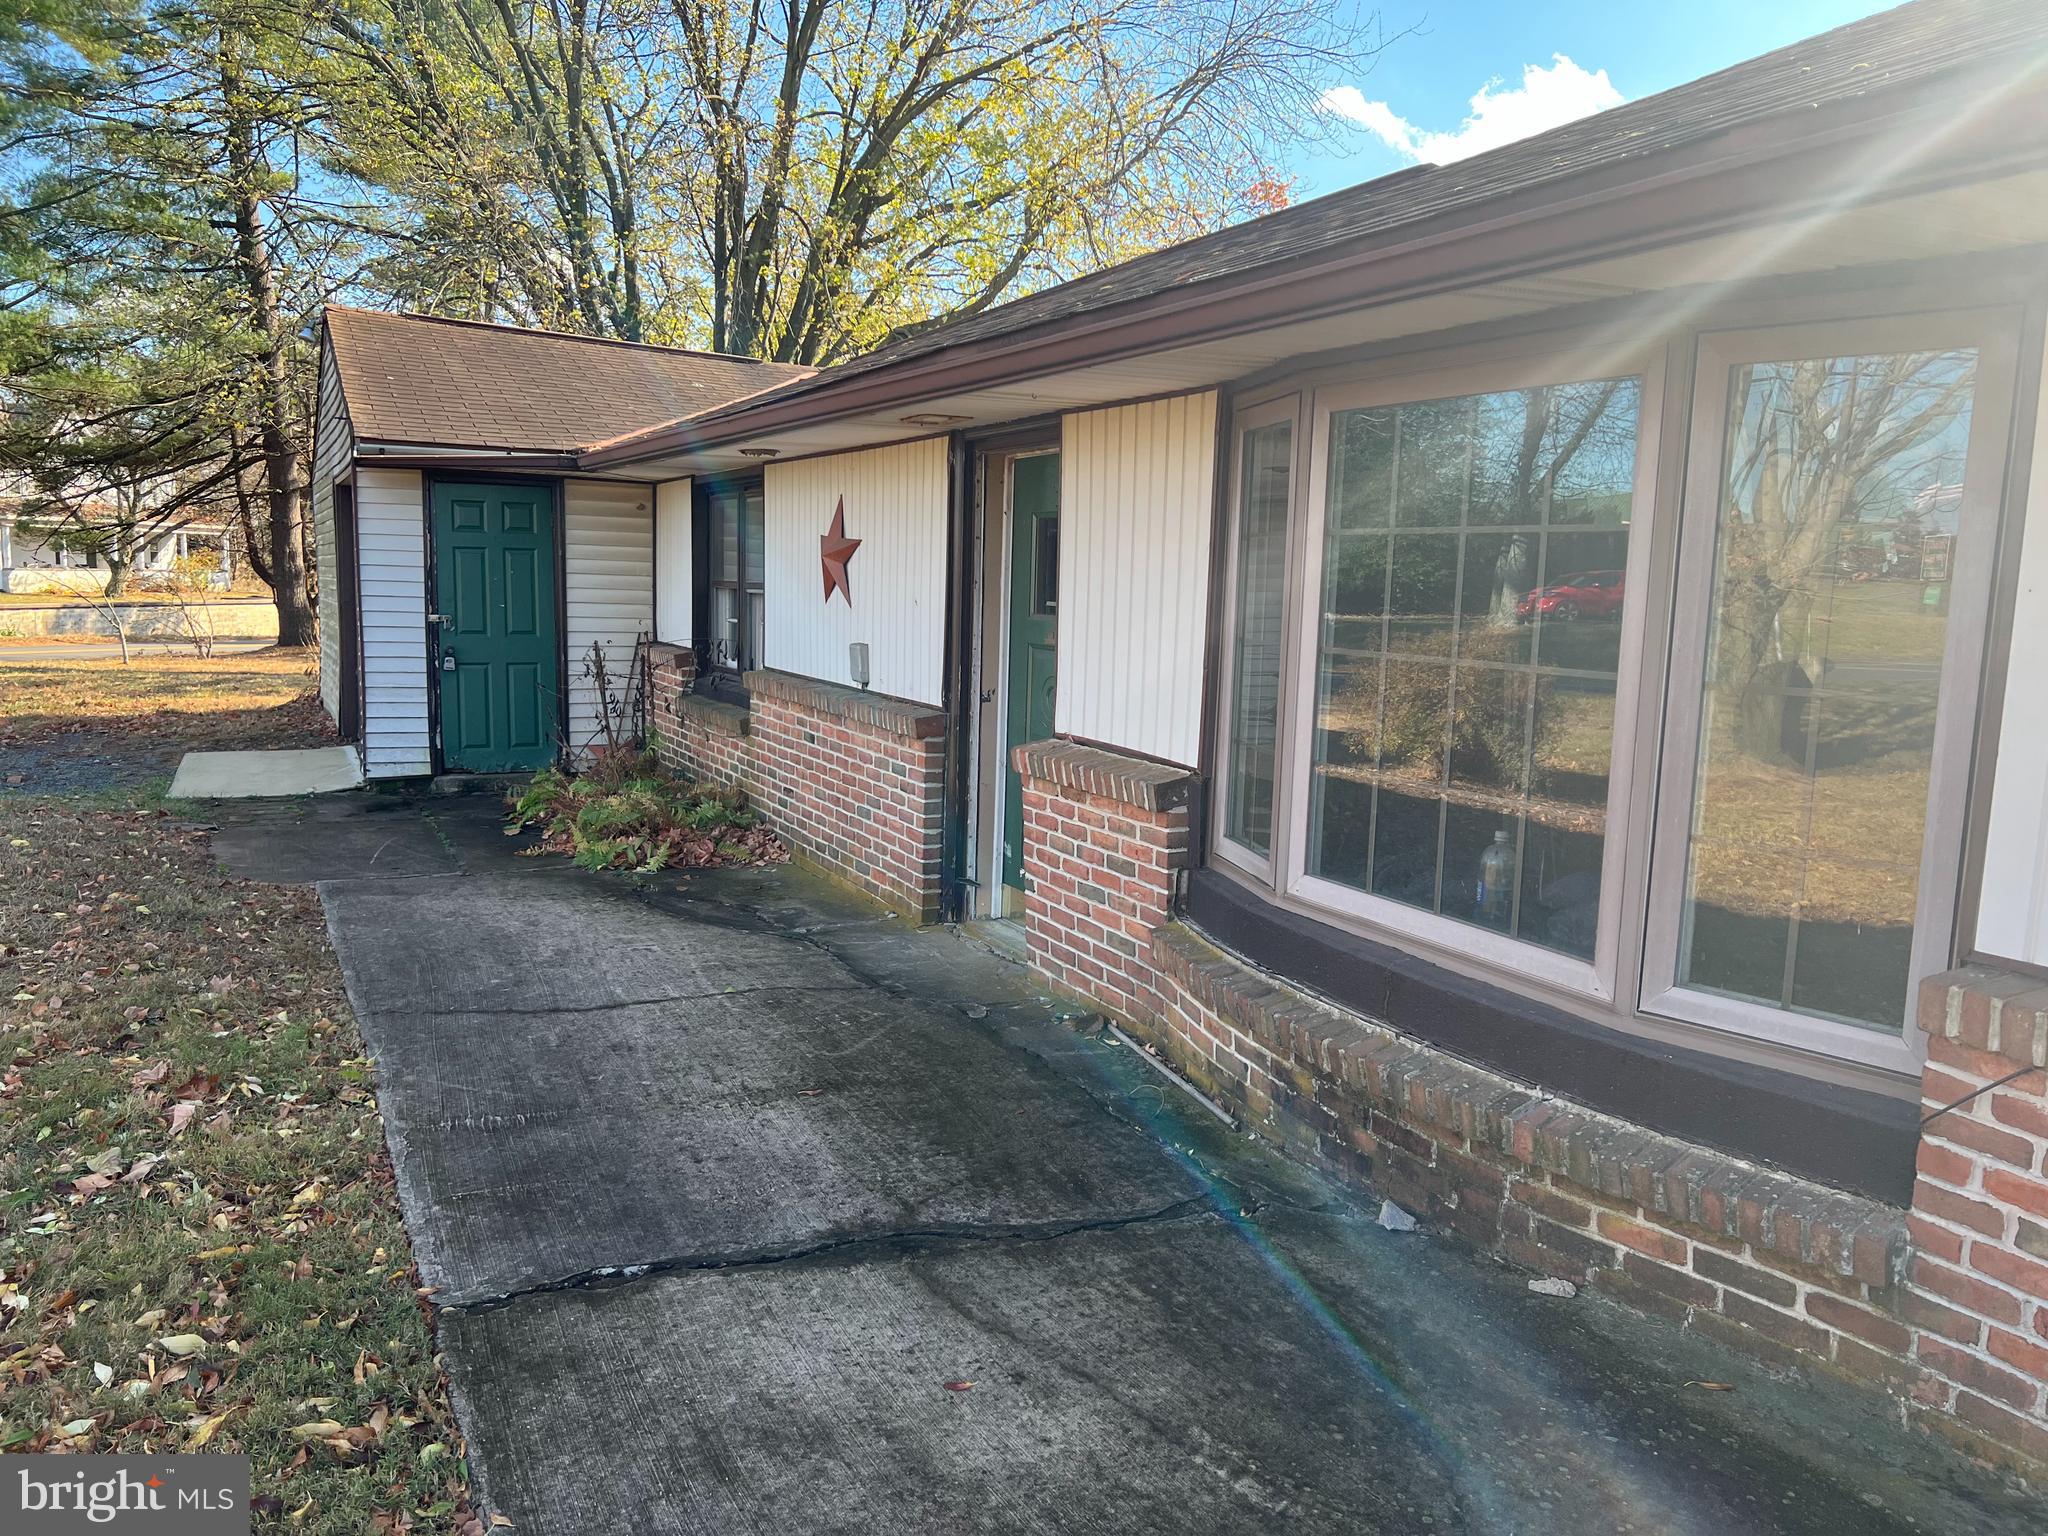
[[348, 608], [557, 488], [987, 697]]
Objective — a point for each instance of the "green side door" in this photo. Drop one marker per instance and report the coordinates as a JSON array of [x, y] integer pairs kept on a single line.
[[1034, 631], [494, 590]]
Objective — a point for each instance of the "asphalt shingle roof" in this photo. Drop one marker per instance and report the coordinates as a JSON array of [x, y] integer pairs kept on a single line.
[[460, 383]]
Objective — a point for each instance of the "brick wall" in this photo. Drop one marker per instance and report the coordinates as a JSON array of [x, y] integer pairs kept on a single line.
[[695, 737], [1977, 1290], [855, 782], [1104, 839], [1945, 1307]]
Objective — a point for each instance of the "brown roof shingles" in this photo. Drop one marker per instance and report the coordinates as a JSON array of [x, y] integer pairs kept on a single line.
[[418, 379]]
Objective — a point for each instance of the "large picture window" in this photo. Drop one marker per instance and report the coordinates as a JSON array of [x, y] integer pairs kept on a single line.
[[1832, 592], [1473, 580], [1675, 735]]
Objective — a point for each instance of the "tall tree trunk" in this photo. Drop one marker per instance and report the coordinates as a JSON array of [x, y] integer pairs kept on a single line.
[[117, 573], [295, 619]]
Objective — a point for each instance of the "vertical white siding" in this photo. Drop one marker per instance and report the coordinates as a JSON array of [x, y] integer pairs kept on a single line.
[[1136, 487], [391, 535], [672, 591], [2012, 913], [608, 591], [332, 452], [895, 501]]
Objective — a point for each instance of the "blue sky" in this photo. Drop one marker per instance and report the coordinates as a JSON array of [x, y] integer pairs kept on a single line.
[[1417, 97]]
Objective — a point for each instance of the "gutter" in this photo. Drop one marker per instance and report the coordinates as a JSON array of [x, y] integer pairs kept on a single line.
[[1785, 166], [442, 456]]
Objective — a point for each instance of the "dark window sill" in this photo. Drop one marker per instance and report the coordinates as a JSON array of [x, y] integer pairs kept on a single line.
[[724, 687], [1843, 1137]]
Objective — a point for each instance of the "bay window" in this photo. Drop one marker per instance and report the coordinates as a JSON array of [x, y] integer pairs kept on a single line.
[[1467, 641], [1257, 576]]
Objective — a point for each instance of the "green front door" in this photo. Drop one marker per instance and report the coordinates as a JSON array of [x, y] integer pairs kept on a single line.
[[1034, 631], [494, 594]]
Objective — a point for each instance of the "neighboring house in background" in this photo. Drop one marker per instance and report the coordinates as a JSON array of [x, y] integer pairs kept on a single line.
[[35, 542], [1185, 610]]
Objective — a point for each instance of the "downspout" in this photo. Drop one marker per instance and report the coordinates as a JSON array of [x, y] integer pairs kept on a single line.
[[957, 688]]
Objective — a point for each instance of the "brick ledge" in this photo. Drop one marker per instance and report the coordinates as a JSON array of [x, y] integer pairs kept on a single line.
[[718, 716], [1988, 1009], [897, 717], [1795, 1219], [1092, 770]]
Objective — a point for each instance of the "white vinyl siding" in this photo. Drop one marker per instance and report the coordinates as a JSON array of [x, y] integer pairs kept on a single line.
[[391, 534], [895, 500], [2012, 912], [1137, 483], [673, 594], [331, 455], [608, 593]]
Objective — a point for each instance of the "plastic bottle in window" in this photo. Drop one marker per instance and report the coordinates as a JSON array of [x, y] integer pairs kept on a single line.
[[1497, 880]]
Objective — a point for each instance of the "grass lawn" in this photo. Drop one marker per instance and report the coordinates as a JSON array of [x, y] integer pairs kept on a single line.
[[256, 699], [200, 1245]]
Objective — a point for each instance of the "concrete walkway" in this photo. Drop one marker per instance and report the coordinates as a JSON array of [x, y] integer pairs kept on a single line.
[[750, 1210], [270, 775]]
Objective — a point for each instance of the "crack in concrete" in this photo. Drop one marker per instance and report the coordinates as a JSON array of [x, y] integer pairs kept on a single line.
[[506, 1010], [607, 1276]]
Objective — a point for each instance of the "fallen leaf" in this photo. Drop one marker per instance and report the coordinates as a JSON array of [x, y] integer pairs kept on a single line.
[[319, 1429], [206, 1428], [105, 1373], [959, 1386], [181, 1114], [182, 1344], [1711, 1386]]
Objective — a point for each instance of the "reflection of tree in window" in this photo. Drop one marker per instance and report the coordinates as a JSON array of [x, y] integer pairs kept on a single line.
[[1462, 695], [1840, 499]]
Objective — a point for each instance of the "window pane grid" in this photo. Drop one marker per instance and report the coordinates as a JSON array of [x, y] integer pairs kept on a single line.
[[1434, 668]]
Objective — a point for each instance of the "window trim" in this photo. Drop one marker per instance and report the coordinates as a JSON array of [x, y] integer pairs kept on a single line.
[[1267, 413], [1595, 980], [712, 678], [1992, 332]]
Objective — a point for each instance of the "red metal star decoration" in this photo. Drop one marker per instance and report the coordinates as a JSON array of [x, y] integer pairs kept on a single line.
[[834, 550]]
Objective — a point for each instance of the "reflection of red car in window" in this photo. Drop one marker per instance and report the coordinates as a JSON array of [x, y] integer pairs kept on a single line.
[[1588, 595]]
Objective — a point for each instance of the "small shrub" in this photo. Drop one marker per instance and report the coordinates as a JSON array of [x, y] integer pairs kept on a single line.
[[625, 812]]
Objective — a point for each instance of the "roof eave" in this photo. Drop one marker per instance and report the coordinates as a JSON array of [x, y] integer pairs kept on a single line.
[[1785, 165]]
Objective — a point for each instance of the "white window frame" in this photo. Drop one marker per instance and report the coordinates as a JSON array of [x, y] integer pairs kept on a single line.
[[1992, 333], [1243, 423], [1597, 979]]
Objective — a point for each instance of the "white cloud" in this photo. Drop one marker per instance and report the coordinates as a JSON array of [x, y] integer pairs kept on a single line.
[[1547, 96]]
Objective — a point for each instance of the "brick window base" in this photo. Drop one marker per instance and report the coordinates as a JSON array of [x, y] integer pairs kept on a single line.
[[853, 782], [1945, 1307]]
